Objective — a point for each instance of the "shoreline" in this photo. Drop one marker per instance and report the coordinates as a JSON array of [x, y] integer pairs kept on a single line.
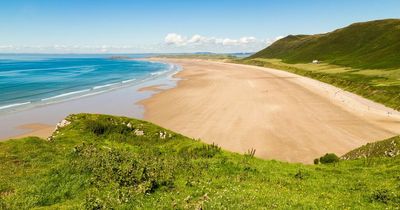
[[218, 102], [96, 89], [120, 102]]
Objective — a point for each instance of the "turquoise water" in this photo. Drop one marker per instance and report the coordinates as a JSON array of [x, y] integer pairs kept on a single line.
[[42, 79]]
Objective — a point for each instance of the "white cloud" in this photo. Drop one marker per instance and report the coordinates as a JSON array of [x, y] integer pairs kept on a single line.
[[180, 40], [198, 39], [228, 42], [61, 48], [173, 42], [6, 47], [247, 39], [175, 39], [180, 43]]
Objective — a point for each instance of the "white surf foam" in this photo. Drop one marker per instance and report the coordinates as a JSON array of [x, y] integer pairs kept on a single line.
[[65, 94], [129, 80], [103, 86], [13, 105]]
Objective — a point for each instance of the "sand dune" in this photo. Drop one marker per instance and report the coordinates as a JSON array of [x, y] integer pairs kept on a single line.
[[282, 115]]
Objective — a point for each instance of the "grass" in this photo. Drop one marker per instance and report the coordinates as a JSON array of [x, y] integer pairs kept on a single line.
[[361, 58], [100, 161], [366, 45], [379, 85]]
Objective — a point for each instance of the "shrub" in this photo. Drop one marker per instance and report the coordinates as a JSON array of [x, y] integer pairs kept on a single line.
[[382, 196], [100, 127], [316, 161], [93, 203], [96, 126], [300, 175], [329, 158], [122, 168]]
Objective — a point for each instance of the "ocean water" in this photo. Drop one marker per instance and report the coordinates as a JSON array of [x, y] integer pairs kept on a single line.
[[32, 80]]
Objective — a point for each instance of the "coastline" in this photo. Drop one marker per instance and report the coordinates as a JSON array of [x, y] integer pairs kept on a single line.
[[280, 114], [41, 120], [217, 102]]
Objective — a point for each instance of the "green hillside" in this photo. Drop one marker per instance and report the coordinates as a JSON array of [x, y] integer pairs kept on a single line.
[[367, 45], [104, 162], [386, 148]]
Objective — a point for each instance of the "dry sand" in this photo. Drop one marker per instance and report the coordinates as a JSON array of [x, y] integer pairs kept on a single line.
[[282, 115]]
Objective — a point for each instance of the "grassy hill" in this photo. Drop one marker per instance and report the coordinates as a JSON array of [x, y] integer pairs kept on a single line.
[[100, 161], [362, 58], [367, 45]]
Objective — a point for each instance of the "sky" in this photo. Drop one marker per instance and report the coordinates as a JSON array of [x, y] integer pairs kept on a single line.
[[173, 26]]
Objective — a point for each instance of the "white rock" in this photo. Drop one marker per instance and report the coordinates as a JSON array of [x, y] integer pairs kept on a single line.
[[63, 123], [138, 132]]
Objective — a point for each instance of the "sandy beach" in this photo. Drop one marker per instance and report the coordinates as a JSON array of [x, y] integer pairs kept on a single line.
[[239, 107], [282, 115]]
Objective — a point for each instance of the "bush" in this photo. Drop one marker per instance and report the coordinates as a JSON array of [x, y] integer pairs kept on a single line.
[[316, 161], [382, 196], [329, 158], [97, 127], [123, 169], [100, 127], [300, 175]]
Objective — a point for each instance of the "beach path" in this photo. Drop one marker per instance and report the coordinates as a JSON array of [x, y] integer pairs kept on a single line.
[[282, 115]]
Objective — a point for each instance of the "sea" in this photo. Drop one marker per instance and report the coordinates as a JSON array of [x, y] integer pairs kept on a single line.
[[30, 80]]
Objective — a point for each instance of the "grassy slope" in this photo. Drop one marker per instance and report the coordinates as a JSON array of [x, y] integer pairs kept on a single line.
[[367, 45], [98, 161], [362, 58]]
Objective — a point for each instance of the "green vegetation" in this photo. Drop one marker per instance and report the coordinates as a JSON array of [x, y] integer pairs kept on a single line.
[[367, 45], [362, 58], [386, 148], [101, 161], [328, 158]]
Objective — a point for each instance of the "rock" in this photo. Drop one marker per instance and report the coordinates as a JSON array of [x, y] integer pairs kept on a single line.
[[163, 135], [62, 124], [138, 132], [129, 125], [59, 125]]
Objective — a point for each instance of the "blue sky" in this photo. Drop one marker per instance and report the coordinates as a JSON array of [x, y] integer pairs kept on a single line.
[[173, 25]]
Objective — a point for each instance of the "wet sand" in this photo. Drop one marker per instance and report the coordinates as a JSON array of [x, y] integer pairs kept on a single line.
[[152, 88], [35, 129]]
